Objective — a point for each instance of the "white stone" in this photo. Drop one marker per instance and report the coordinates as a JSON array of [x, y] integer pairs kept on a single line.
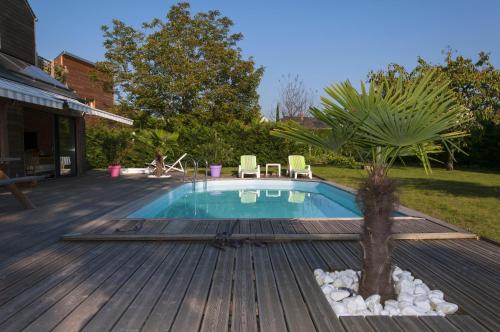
[[318, 272], [339, 308], [339, 294], [447, 308], [405, 286], [365, 312], [328, 279], [404, 304], [360, 303], [384, 312], [417, 282], [376, 309], [405, 297], [393, 311], [420, 289], [423, 303], [436, 294], [435, 301], [372, 300], [350, 303], [393, 303], [412, 311], [405, 275], [327, 289]]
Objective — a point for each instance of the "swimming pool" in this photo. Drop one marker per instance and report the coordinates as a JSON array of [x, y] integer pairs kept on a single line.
[[252, 199]]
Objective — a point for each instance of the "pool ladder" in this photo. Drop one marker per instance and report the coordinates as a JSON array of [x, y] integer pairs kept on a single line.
[[195, 171]]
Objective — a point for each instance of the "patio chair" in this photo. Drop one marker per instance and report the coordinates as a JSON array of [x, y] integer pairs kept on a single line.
[[248, 165], [175, 166], [297, 166]]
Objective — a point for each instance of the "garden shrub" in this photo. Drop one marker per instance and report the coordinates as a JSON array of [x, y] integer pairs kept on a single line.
[[232, 139]]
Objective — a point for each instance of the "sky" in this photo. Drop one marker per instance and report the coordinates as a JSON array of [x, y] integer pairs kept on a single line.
[[321, 41]]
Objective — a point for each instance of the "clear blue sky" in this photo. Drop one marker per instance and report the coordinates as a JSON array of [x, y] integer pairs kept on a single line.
[[321, 41]]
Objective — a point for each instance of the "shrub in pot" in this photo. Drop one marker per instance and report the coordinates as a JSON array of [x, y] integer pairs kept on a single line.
[[216, 151], [115, 144]]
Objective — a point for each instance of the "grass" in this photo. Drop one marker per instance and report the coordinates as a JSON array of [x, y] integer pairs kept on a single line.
[[469, 199]]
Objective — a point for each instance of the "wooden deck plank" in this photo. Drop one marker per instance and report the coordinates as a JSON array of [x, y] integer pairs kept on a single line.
[[439, 324], [191, 310], [165, 309], [356, 324], [82, 314], [411, 324], [108, 314], [137, 312], [216, 317], [296, 313], [271, 317], [70, 296], [381, 323], [18, 297], [244, 308], [323, 316], [466, 323]]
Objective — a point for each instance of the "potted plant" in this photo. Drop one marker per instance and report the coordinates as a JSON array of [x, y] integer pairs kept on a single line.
[[115, 145], [216, 152], [162, 143]]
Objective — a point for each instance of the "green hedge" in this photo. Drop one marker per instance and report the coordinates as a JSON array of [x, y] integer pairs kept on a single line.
[[234, 139]]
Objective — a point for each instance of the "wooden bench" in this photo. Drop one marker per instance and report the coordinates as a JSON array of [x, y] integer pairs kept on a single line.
[[10, 183]]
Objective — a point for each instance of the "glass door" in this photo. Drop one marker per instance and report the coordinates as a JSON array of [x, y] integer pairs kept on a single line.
[[65, 146]]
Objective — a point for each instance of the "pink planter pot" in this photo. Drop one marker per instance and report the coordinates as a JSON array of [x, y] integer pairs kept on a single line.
[[215, 170], [114, 170]]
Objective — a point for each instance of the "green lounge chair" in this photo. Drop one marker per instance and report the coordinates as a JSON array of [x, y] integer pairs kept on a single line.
[[297, 166], [248, 165]]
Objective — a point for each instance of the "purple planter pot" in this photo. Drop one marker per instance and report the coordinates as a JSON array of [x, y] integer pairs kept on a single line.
[[215, 170]]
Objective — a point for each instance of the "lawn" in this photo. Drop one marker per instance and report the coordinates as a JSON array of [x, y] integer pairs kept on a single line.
[[470, 199]]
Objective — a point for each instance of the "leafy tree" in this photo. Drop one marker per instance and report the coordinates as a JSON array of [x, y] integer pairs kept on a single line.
[[389, 120], [187, 65], [477, 88]]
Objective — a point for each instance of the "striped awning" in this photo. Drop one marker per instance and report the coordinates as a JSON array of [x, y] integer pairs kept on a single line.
[[25, 93]]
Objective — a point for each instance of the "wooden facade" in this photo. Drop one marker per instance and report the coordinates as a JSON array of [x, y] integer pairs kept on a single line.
[[17, 30], [78, 77]]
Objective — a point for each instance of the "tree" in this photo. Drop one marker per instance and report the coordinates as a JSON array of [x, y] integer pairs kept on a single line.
[[477, 88], [162, 143], [187, 65], [391, 119], [278, 112], [295, 99]]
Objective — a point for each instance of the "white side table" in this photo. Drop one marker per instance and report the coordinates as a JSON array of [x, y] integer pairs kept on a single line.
[[274, 165]]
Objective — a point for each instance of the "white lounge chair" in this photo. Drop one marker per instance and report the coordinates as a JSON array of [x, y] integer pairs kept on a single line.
[[297, 166], [175, 166], [248, 165]]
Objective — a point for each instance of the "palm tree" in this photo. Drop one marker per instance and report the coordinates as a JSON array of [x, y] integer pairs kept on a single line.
[[387, 121], [162, 143]]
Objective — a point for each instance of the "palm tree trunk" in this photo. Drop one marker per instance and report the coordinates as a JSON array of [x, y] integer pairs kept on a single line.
[[160, 165], [451, 159], [377, 198]]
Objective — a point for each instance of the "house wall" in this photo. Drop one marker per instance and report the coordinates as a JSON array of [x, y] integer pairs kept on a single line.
[[15, 137], [78, 79], [17, 30]]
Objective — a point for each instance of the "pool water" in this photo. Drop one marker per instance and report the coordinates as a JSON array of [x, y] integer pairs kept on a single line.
[[252, 199]]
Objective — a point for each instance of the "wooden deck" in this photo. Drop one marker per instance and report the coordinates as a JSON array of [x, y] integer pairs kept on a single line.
[[48, 284]]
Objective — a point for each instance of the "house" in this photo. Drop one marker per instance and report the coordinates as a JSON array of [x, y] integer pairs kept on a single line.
[[77, 74], [42, 121], [308, 122]]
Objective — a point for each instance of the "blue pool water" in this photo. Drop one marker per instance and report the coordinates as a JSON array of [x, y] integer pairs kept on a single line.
[[252, 199]]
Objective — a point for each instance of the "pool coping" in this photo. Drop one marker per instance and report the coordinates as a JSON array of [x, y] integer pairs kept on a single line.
[[123, 211]]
